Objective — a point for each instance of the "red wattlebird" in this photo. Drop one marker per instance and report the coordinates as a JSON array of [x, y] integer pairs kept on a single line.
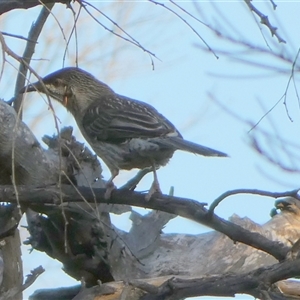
[[125, 133]]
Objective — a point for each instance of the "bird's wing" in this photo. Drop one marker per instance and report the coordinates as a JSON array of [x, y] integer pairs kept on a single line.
[[118, 121]]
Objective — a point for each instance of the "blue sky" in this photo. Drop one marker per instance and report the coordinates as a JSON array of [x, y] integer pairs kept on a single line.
[[190, 87]]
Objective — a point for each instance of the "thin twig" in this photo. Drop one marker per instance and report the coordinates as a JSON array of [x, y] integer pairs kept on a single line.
[[18, 37], [189, 14], [116, 34], [119, 27], [288, 84], [57, 21], [217, 201], [74, 29], [187, 23], [265, 21]]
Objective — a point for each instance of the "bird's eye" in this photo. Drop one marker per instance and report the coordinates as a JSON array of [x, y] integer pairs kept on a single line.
[[56, 82]]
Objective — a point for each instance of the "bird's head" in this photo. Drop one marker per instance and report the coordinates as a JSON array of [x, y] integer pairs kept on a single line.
[[75, 88]]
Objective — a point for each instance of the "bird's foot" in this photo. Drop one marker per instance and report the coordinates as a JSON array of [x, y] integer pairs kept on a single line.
[[155, 188], [109, 188]]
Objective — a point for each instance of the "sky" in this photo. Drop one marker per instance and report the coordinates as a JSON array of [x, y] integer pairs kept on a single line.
[[213, 102]]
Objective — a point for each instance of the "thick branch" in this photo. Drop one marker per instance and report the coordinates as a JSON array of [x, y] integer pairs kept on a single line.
[[190, 209], [20, 148], [257, 283]]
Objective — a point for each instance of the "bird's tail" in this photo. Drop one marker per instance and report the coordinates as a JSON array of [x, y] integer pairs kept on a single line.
[[181, 144]]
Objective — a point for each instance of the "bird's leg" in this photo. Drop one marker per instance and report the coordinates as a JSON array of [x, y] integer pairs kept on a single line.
[[155, 188], [109, 184]]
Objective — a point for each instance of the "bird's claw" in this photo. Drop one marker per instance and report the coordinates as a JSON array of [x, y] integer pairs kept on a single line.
[[155, 188]]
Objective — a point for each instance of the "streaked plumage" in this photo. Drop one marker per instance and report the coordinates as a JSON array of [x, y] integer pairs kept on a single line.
[[125, 133]]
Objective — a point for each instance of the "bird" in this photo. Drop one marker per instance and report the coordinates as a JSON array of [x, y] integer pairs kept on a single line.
[[125, 133]]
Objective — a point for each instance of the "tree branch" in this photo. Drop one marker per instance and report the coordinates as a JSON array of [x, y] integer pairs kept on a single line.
[[186, 208], [33, 36], [6, 6], [217, 201]]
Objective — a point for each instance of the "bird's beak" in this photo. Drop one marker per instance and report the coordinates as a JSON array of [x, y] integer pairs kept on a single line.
[[33, 87]]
